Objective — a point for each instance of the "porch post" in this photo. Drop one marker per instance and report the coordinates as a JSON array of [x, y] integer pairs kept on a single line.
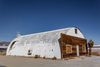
[[77, 50]]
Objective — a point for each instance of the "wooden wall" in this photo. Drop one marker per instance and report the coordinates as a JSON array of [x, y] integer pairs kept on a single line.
[[68, 45]]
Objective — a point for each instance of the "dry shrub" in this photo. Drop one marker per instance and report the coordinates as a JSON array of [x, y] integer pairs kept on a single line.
[[54, 58], [37, 56], [3, 53], [44, 57], [96, 53]]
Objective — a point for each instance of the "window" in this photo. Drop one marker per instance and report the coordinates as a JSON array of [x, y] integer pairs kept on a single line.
[[75, 31], [68, 49]]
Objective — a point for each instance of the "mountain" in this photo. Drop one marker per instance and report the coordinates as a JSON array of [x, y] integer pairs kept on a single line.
[[4, 43]]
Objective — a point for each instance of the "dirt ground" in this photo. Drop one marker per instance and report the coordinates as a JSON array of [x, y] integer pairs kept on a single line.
[[9, 61]]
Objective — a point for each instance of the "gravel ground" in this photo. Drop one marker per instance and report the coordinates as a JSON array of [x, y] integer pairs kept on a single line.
[[9, 61]]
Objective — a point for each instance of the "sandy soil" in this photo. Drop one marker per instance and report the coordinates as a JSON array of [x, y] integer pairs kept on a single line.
[[96, 50], [9, 61]]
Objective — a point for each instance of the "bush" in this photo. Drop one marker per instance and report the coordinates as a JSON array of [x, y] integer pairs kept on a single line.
[[44, 57], [54, 58], [37, 56], [2, 53]]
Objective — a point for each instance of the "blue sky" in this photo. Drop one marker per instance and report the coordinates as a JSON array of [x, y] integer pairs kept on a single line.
[[31, 16]]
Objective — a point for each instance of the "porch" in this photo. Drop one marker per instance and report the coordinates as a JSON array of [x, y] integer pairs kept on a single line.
[[72, 46]]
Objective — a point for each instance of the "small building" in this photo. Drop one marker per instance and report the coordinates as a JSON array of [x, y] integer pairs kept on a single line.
[[3, 46], [59, 43]]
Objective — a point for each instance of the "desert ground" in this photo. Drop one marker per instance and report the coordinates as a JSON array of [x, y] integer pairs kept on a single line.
[[83, 61], [96, 51]]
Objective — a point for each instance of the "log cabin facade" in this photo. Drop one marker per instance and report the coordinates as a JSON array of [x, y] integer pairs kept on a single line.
[[70, 45]]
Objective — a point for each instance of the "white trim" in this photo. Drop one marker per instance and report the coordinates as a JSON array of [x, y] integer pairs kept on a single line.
[[77, 50]]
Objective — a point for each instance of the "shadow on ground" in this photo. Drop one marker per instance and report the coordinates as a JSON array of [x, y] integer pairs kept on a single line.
[[2, 66]]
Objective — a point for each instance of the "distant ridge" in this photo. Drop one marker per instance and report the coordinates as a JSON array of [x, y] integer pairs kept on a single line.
[[4, 43]]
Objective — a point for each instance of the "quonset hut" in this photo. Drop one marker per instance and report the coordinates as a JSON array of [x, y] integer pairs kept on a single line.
[[59, 43]]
